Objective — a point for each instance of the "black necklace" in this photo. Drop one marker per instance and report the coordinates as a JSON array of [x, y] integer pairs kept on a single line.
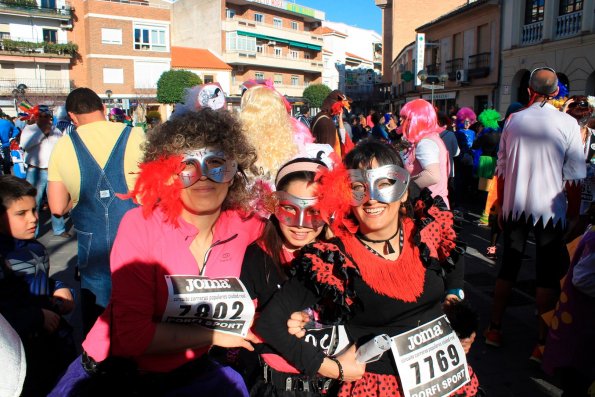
[[387, 245]]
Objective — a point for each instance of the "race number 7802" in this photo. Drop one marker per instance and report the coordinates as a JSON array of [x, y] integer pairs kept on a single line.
[[443, 360], [219, 311]]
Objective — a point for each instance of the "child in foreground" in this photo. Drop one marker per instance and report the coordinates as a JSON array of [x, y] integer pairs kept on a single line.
[[31, 301]]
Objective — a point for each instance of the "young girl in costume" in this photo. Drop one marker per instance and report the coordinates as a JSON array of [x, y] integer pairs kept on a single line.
[[190, 229], [268, 264], [384, 272]]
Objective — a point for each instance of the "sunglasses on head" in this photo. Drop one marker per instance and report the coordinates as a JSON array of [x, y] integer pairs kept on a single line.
[[580, 104], [540, 69]]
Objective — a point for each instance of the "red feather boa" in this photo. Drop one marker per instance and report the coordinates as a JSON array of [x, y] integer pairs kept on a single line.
[[334, 199], [157, 186]]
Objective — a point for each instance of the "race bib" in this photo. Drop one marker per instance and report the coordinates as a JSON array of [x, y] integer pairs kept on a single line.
[[222, 304], [430, 360]]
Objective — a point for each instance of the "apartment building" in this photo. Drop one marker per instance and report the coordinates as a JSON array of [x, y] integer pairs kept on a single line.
[[352, 60], [124, 47], [34, 52], [559, 34], [260, 39], [399, 21], [463, 46]]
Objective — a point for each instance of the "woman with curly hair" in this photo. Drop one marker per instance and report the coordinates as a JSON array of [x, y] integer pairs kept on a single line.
[[384, 273], [579, 107], [191, 228]]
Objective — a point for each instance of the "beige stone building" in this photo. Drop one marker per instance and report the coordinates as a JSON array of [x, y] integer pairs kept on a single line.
[[559, 34], [464, 47]]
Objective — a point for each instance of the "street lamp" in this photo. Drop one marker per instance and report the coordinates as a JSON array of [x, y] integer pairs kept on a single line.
[[432, 81], [18, 93]]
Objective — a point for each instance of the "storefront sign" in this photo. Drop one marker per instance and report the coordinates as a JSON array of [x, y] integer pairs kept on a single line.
[[293, 7], [440, 95], [420, 49]]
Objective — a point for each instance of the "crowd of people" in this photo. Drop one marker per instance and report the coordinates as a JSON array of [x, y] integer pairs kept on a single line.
[[261, 254]]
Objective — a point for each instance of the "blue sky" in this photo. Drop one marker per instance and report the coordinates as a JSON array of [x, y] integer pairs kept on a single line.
[[361, 13]]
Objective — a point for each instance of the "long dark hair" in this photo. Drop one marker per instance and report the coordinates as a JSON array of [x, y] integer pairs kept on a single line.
[[272, 237], [370, 149]]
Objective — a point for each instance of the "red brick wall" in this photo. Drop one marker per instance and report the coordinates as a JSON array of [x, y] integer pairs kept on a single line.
[[88, 72]]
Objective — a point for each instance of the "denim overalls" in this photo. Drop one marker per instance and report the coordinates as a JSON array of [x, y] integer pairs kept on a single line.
[[96, 218]]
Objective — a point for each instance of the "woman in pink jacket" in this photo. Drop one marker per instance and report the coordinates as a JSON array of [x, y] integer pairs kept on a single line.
[[175, 267]]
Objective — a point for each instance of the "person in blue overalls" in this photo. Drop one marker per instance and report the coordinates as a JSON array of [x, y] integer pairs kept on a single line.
[[96, 161]]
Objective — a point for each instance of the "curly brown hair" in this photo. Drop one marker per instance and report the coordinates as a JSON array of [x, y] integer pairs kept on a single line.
[[207, 128], [580, 109]]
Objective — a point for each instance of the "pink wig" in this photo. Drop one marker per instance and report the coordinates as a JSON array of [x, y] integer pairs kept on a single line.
[[420, 120], [466, 113]]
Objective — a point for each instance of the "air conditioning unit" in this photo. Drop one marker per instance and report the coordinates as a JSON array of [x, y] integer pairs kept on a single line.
[[462, 76], [272, 42], [66, 24]]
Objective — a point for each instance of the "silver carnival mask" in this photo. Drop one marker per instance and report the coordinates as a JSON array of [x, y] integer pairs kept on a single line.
[[212, 163], [386, 184], [297, 211]]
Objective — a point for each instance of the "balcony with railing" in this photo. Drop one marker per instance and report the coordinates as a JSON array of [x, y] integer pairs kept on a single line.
[[532, 33], [283, 62], [144, 3], [452, 66], [30, 8], [272, 31], [569, 25], [433, 68], [479, 65], [36, 86], [26, 46]]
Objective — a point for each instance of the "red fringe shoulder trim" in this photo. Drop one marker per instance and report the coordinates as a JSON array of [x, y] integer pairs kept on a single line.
[[401, 279]]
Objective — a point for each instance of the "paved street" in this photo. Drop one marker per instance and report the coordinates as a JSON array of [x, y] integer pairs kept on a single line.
[[502, 372]]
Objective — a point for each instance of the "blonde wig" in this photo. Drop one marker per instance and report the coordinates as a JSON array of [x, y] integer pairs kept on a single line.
[[268, 126]]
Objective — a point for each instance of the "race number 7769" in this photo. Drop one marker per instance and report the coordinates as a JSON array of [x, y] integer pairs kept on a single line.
[[443, 360]]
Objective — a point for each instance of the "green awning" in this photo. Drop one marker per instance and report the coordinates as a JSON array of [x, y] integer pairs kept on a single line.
[[291, 43]]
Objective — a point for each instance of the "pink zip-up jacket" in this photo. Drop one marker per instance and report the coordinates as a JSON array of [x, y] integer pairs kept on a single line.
[[144, 252]]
